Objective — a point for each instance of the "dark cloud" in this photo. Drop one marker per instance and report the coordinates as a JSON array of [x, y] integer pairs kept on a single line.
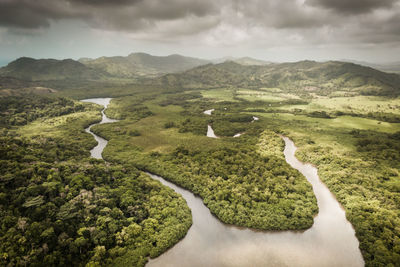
[[104, 2], [378, 31], [352, 6], [288, 14], [310, 21], [34, 14], [127, 15]]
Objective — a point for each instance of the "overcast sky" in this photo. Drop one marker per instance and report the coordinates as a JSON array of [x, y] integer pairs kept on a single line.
[[275, 30]]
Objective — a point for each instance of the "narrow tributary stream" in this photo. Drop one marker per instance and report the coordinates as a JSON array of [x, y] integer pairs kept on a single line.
[[101, 142], [330, 241]]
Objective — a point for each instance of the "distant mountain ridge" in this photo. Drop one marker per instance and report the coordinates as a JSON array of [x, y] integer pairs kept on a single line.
[[302, 76], [247, 61], [30, 69], [142, 64], [393, 67]]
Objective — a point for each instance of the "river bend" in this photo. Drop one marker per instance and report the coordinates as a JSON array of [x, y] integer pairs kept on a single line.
[[330, 241]]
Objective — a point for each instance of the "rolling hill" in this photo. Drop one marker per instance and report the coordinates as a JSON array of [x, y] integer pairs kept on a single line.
[[301, 77], [247, 61], [30, 69], [141, 64], [393, 67]]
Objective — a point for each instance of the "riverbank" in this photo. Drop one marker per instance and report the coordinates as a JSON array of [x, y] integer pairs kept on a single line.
[[153, 229]]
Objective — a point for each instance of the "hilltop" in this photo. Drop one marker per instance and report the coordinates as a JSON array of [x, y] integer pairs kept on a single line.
[[247, 61], [393, 67], [30, 69], [142, 64]]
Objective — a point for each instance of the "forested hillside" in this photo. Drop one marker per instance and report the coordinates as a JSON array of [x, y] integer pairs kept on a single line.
[[141, 64], [30, 69], [305, 78], [302, 77]]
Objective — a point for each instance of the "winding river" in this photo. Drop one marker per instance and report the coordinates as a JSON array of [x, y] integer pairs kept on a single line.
[[101, 142], [330, 241]]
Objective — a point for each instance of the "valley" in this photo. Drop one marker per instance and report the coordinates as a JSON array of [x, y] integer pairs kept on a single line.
[[242, 198], [331, 237]]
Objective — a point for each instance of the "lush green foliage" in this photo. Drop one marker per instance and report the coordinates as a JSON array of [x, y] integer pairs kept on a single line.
[[30, 69], [22, 110], [357, 158], [361, 167], [237, 183], [60, 208], [365, 180]]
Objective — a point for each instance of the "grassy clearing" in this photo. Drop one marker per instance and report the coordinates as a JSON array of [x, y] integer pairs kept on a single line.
[[153, 135], [219, 95], [69, 128], [57, 126], [271, 90], [359, 104], [257, 95], [345, 122]]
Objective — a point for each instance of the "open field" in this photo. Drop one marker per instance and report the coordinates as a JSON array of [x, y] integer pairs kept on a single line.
[[359, 104], [219, 94]]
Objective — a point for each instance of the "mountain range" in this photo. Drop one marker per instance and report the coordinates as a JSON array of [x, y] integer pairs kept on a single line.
[[307, 76], [247, 61], [141, 64], [193, 73]]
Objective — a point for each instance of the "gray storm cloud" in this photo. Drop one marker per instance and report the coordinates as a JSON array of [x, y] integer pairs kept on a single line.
[[217, 22], [126, 15], [143, 15], [353, 6]]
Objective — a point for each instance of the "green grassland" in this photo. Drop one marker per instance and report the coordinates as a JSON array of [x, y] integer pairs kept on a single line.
[[359, 104], [339, 122], [258, 95], [224, 94]]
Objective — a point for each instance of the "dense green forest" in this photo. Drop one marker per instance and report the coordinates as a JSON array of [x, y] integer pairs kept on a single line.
[[16, 111], [60, 208]]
